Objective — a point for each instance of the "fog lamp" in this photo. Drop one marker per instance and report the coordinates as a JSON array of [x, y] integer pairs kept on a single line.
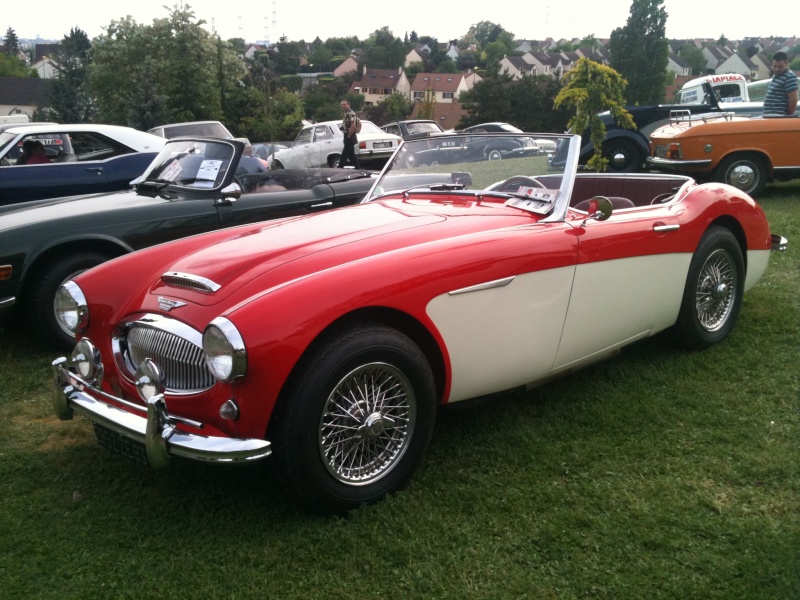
[[71, 308], [86, 361], [149, 380], [224, 351]]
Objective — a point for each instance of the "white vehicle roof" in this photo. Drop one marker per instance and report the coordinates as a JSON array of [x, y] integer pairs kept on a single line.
[[133, 138]]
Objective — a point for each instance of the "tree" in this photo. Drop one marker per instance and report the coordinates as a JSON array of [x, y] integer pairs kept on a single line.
[[485, 32], [590, 41], [639, 52], [11, 42], [694, 58], [170, 71], [11, 66], [526, 102], [71, 100], [722, 41], [591, 88], [384, 50]]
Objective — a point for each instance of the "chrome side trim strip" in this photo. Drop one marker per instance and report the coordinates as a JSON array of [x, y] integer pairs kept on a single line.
[[484, 286]]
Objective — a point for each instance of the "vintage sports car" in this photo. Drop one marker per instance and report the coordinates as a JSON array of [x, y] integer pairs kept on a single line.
[[82, 159], [321, 145], [331, 339], [193, 186], [743, 152]]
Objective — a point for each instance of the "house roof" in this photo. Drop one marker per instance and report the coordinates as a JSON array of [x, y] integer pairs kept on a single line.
[[437, 82], [380, 78], [42, 50], [24, 91], [446, 114]]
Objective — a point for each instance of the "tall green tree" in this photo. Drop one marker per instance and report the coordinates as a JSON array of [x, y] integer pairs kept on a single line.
[[170, 71], [588, 89], [11, 42], [384, 50], [71, 100], [11, 66], [639, 52]]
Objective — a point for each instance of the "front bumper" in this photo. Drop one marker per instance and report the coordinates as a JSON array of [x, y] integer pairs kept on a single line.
[[154, 428]]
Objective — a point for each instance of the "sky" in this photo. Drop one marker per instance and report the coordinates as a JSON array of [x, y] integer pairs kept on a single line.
[[307, 19]]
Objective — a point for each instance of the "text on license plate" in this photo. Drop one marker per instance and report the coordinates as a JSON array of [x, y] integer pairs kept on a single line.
[[382, 145], [119, 444]]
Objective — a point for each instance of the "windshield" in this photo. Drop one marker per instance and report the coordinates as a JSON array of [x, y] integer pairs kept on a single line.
[[509, 166], [192, 163]]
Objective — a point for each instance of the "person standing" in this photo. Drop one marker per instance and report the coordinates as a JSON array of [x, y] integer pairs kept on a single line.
[[349, 156], [781, 98]]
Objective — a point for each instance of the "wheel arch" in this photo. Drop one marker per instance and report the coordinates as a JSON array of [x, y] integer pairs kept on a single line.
[[390, 317], [110, 247], [757, 152], [732, 225]]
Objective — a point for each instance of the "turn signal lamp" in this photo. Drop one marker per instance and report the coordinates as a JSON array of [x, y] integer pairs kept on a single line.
[[5, 272], [674, 150]]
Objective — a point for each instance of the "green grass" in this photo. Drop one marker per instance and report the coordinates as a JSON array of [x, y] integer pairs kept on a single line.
[[660, 474]]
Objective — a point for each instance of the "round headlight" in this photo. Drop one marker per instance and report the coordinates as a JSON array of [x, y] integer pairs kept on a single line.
[[71, 308], [224, 351]]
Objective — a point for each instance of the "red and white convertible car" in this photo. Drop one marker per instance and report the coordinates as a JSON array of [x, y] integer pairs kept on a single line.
[[330, 339]]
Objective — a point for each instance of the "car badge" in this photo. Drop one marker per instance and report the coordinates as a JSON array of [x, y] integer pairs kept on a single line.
[[167, 305]]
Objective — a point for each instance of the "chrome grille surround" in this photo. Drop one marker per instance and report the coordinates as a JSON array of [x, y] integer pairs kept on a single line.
[[175, 347], [189, 282]]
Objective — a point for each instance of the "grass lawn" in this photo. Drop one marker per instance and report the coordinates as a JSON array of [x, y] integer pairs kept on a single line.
[[659, 474]]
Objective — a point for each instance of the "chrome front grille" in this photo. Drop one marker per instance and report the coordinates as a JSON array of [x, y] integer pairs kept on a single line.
[[174, 347]]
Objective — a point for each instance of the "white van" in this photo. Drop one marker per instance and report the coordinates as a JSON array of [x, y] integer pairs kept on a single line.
[[730, 87]]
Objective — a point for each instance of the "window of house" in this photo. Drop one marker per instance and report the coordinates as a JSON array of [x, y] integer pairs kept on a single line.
[[448, 95]]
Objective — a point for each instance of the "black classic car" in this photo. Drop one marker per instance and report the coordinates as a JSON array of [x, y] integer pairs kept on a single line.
[[193, 186], [627, 149]]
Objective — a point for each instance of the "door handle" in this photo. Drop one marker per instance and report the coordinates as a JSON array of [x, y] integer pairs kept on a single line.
[[322, 204], [661, 228], [97, 170]]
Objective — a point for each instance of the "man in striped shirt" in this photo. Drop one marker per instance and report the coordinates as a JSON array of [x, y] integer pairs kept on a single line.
[[781, 99]]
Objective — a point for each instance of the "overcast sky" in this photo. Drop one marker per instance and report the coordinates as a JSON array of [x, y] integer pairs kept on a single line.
[[306, 19]]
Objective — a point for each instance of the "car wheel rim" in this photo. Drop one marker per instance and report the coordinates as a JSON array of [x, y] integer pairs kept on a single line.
[[716, 291], [367, 423], [495, 155], [742, 176]]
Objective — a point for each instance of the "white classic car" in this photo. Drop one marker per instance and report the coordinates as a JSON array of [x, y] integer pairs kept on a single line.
[[321, 144]]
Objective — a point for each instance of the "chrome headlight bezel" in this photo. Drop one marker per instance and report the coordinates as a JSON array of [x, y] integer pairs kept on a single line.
[[224, 350], [71, 308]]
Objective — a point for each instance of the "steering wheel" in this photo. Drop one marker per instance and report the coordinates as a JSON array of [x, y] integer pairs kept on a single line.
[[512, 184]]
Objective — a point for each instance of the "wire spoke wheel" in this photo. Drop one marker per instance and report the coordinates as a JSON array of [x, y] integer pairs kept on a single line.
[[367, 423], [716, 290]]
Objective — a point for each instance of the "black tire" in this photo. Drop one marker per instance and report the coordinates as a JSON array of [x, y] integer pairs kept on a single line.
[[333, 161], [747, 172], [384, 444], [712, 297], [623, 156], [45, 283]]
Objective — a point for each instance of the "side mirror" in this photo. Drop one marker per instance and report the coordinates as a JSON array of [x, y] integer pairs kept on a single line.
[[600, 209], [231, 193]]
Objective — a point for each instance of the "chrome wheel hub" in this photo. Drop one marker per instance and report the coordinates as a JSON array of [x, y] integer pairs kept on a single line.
[[742, 177], [716, 290], [367, 423]]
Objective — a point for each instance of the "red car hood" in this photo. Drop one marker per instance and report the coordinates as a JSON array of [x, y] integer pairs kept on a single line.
[[281, 251]]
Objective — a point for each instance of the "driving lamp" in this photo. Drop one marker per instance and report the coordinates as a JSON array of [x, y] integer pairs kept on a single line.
[[224, 351], [149, 380], [86, 361], [71, 308]]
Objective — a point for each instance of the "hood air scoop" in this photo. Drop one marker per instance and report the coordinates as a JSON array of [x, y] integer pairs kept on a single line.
[[188, 281]]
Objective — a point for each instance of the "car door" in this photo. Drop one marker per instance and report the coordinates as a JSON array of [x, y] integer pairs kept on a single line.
[[322, 146], [629, 280]]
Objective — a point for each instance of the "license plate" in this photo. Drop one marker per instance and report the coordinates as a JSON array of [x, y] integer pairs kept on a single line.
[[661, 151], [382, 145], [119, 444]]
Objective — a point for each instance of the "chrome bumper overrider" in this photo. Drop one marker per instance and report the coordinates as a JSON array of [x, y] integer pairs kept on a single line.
[[778, 243], [154, 428]]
